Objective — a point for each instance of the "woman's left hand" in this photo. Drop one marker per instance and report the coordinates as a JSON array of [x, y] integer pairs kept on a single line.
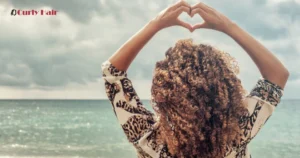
[[169, 16]]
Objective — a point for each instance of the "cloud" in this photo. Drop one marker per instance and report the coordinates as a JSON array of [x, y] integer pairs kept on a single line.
[[290, 10], [43, 55], [92, 90], [46, 56]]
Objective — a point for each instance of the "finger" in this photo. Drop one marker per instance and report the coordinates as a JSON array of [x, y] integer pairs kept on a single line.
[[207, 6], [185, 25], [179, 4], [202, 25], [202, 6], [181, 9], [199, 11]]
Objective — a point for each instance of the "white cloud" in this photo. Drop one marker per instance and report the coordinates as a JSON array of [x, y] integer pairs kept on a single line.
[[60, 56], [70, 91], [280, 1]]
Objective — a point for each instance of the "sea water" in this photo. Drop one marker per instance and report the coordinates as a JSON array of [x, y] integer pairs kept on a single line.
[[89, 128]]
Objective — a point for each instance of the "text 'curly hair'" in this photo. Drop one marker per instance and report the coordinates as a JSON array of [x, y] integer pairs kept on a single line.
[[199, 100]]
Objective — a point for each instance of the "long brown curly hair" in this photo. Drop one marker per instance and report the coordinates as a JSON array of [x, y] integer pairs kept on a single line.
[[198, 99]]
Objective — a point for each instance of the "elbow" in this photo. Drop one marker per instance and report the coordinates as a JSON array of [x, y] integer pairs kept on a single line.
[[286, 74], [278, 76]]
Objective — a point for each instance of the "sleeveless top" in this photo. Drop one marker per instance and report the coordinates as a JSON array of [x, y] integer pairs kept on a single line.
[[138, 123]]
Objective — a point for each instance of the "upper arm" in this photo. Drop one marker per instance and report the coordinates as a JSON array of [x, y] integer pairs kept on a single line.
[[134, 118], [261, 102]]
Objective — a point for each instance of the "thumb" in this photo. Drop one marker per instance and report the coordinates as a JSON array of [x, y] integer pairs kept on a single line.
[[202, 25]]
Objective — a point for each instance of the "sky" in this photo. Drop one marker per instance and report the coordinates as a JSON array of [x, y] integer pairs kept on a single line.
[[60, 57]]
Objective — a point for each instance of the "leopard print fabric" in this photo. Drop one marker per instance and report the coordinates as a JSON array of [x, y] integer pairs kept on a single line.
[[267, 91], [139, 123]]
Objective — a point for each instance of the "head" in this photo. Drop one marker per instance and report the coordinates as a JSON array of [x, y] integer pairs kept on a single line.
[[198, 99]]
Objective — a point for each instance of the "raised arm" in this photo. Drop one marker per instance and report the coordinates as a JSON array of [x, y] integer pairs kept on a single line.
[[123, 57], [269, 66]]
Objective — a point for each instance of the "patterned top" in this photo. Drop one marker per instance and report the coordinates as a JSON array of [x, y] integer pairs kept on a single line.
[[139, 126]]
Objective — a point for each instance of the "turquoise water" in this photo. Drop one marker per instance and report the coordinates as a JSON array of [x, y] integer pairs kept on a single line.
[[88, 128]]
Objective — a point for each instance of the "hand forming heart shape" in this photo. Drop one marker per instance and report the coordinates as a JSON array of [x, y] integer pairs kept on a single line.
[[212, 18]]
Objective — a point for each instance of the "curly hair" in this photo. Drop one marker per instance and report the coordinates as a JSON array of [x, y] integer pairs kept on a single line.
[[198, 99]]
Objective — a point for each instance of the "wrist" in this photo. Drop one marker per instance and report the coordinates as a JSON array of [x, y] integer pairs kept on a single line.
[[154, 26], [231, 28]]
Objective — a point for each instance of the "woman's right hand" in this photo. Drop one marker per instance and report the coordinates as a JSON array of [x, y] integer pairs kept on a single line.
[[212, 18], [169, 16]]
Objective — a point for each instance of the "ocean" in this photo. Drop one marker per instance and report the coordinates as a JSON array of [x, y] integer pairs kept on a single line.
[[89, 128]]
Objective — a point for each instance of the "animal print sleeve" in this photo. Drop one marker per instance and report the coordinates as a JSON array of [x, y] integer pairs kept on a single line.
[[262, 101], [267, 91], [133, 117]]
